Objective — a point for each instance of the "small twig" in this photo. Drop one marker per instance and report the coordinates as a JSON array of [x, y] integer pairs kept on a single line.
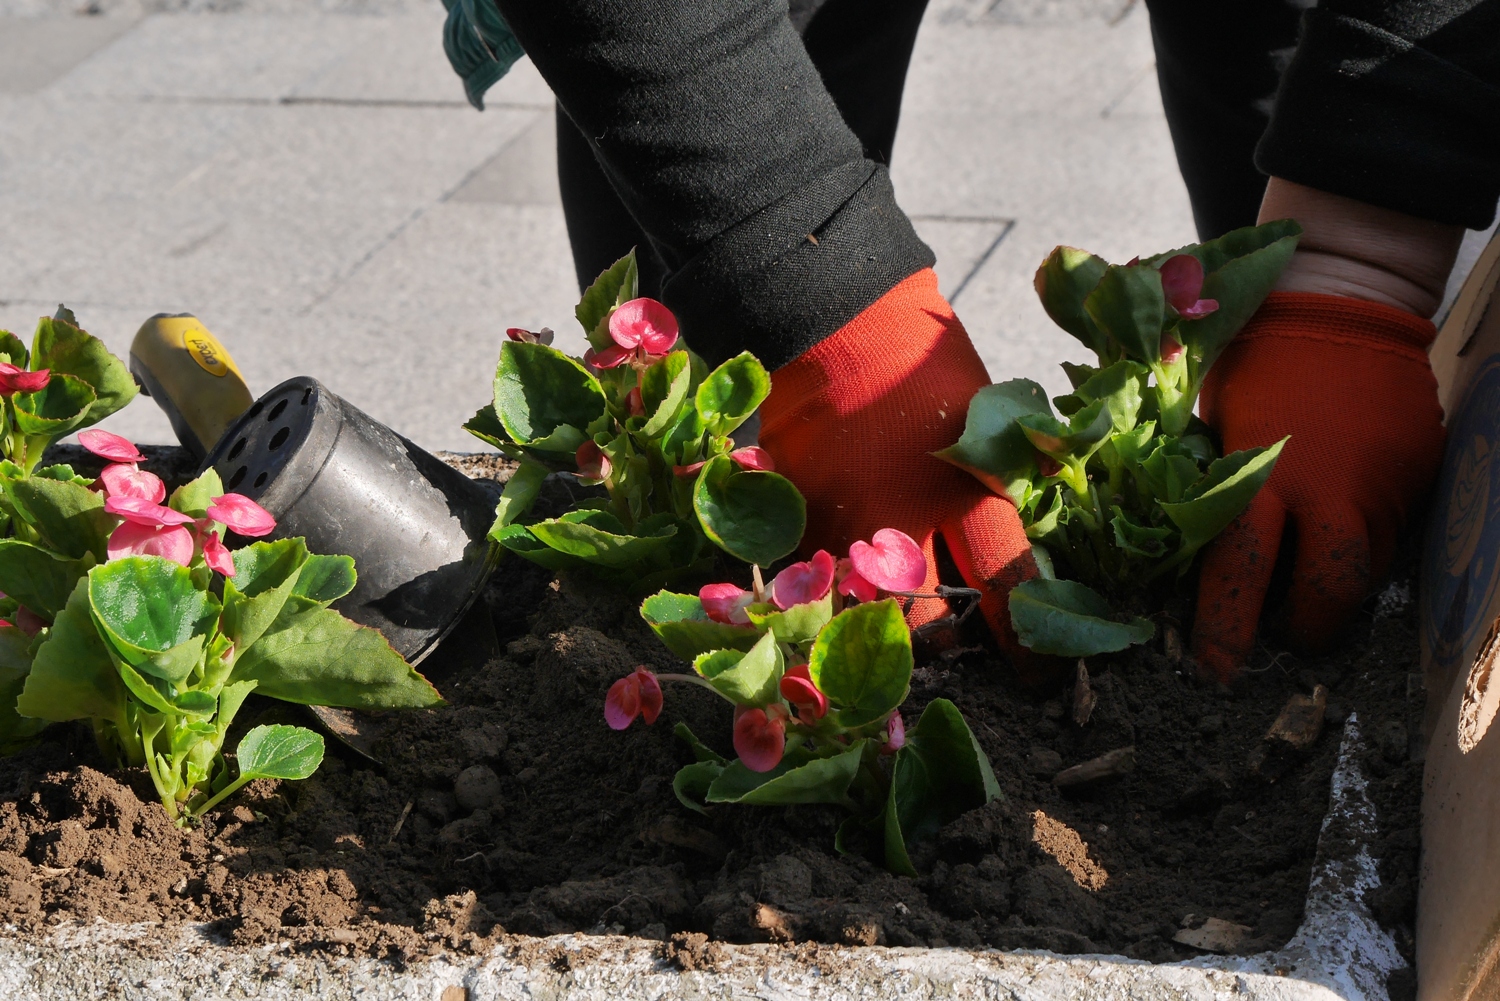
[[399, 821], [1242, 834]]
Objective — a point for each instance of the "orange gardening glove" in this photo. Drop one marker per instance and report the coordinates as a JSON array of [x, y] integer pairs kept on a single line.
[[853, 423], [1350, 382]]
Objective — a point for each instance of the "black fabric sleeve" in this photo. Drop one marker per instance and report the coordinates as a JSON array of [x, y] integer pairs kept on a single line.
[[713, 127], [1395, 103]]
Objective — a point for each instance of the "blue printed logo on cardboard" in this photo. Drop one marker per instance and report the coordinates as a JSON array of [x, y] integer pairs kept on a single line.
[[1461, 565]]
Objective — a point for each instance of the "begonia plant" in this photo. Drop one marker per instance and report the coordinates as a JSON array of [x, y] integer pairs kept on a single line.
[[642, 417], [816, 665], [156, 632], [1122, 485]]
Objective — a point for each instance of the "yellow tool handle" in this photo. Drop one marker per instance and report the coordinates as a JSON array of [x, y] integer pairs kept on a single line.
[[190, 375]]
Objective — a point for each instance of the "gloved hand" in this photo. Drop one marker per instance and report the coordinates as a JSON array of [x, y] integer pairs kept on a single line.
[[852, 423], [1350, 382]]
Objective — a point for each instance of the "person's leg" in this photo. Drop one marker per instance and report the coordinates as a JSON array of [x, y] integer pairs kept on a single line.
[[1218, 65], [861, 49]]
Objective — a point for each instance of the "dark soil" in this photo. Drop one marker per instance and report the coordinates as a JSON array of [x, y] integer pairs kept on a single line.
[[515, 809]]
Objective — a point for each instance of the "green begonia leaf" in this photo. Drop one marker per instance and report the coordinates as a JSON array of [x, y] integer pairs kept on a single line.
[[1119, 387], [1084, 432], [15, 664], [993, 447], [862, 661], [939, 774], [1239, 285], [540, 392], [1066, 618], [1129, 305], [72, 676], [70, 518], [731, 392], [14, 350], [37, 578], [279, 752], [755, 516], [691, 783], [315, 656], [1170, 471], [616, 286], [60, 407], [146, 607], [485, 425], [1227, 489], [681, 623], [65, 349], [231, 698], [1063, 283], [194, 498], [701, 751], [587, 536], [1140, 540], [747, 679], [325, 579], [664, 391], [798, 779], [798, 624], [520, 492]]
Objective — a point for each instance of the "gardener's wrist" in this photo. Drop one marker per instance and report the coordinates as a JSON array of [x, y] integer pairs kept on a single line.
[[1363, 251]]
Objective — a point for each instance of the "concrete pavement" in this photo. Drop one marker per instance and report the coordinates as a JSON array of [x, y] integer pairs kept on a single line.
[[308, 179]]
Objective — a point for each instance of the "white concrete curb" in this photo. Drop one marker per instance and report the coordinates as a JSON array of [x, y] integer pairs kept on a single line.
[[1339, 953]]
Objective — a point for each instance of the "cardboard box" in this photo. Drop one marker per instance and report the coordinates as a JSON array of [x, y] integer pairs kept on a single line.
[[1458, 910]]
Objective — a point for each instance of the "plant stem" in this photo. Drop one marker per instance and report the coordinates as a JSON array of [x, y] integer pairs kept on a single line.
[[222, 795], [693, 679]]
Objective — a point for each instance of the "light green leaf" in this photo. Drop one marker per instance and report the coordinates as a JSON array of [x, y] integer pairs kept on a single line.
[[680, 622], [798, 624], [1063, 283], [798, 779], [279, 752], [37, 578], [195, 497], [325, 579], [14, 350], [1066, 618], [60, 407], [72, 676], [862, 661], [747, 679], [147, 607], [70, 518], [993, 446], [617, 285], [597, 537], [539, 391], [755, 516], [61, 346], [1228, 488], [485, 425], [664, 392], [730, 394], [520, 492], [1129, 305], [1119, 387]]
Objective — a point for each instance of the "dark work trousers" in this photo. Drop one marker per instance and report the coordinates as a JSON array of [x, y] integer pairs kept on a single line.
[[1217, 64]]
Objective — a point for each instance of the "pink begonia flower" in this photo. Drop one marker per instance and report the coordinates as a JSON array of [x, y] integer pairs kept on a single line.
[[1181, 282], [803, 582], [141, 511], [891, 561], [688, 470], [760, 736], [593, 464], [797, 688], [123, 479], [611, 357], [1047, 465], [726, 603], [1170, 349], [851, 583], [14, 379], [642, 330], [241, 515], [750, 457], [634, 403], [28, 621], [172, 542], [217, 555], [543, 336], [896, 735], [109, 446], [636, 694]]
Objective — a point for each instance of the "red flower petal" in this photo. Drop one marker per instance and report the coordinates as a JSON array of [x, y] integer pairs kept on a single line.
[[623, 703], [124, 479], [242, 515], [1047, 465], [1170, 349], [754, 457], [634, 404], [650, 695], [726, 603], [797, 688], [141, 511], [217, 555], [173, 543], [29, 622], [891, 561], [803, 582], [18, 380], [593, 464], [109, 446], [896, 732], [853, 584], [688, 470], [644, 323], [759, 740], [1199, 309], [1182, 280], [611, 357]]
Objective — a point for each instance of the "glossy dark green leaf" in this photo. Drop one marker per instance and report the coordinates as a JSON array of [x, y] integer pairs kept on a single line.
[[747, 679], [754, 516], [60, 407], [1066, 618], [797, 779], [731, 392], [315, 656], [326, 579], [37, 578], [994, 447], [70, 519], [940, 774], [588, 536], [65, 349], [519, 540], [1239, 285], [664, 392], [618, 284], [1083, 433], [1119, 388], [1226, 490], [1237, 243], [691, 783], [279, 752], [485, 425], [1063, 283], [680, 622], [1129, 305], [1140, 540], [14, 350], [146, 606], [72, 676], [544, 398], [862, 661]]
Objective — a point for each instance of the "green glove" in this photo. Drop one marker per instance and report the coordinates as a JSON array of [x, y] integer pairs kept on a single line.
[[479, 45]]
